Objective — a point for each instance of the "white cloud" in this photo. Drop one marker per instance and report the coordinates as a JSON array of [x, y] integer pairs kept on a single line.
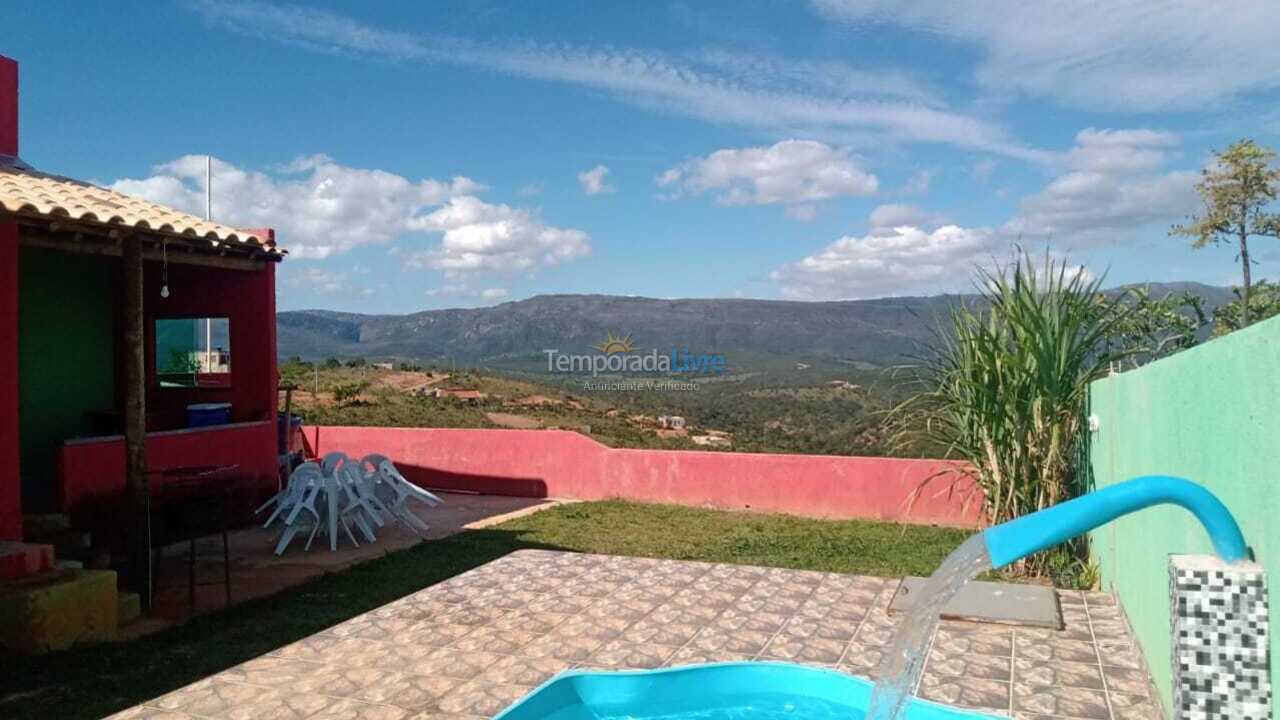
[[1121, 150], [323, 281], [1116, 183], [891, 262], [530, 190], [317, 206], [919, 182], [462, 290], [885, 218], [1114, 187], [875, 104], [480, 236], [796, 173], [1127, 55], [593, 181], [321, 208]]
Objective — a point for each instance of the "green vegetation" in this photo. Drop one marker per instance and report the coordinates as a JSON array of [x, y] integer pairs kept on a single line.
[[829, 407], [1264, 302], [96, 680], [1150, 329], [1236, 189], [1005, 388], [344, 393]]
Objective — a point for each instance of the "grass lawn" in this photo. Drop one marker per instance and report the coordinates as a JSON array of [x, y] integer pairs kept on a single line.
[[96, 680]]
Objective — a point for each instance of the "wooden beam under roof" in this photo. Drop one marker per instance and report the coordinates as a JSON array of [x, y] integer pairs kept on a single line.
[[179, 253]]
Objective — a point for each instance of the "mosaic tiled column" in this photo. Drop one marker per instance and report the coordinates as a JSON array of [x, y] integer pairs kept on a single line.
[[1221, 664]]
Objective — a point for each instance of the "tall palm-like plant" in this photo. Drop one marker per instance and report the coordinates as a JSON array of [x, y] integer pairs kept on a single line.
[[1006, 384]]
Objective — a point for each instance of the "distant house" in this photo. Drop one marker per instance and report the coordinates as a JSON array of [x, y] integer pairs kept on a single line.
[[472, 397], [671, 422], [383, 365]]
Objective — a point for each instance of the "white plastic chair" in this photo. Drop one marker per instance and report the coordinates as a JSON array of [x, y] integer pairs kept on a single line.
[[395, 491], [308, 483]]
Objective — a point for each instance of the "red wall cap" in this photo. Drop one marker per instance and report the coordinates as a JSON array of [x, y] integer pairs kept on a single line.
[[268, 235], [8, 106]]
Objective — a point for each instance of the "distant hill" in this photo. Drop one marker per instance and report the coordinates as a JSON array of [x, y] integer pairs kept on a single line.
[[873, 331]]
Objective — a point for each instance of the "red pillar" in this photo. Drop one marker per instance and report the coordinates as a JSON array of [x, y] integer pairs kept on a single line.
[[8, 106], [265, 300], [10, 478]]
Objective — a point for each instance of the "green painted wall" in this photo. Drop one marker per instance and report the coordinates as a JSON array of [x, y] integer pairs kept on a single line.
[[1210, 414], [66, 358]]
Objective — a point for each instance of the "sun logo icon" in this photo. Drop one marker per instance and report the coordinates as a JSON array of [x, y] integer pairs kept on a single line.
[[614, 344]]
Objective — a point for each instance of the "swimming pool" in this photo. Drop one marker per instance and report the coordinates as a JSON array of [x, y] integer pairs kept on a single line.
[[723, 691]]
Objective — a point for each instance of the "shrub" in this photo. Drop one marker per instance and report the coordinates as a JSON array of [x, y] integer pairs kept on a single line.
[[1006, 386], [346, 392]]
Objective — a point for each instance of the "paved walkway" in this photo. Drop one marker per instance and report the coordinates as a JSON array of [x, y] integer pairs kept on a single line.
[[470, 646], [258, 572]]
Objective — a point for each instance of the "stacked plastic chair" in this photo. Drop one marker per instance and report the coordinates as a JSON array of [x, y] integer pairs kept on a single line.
[[338, 493]]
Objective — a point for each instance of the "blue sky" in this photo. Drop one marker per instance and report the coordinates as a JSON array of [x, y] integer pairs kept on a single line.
[[417, 156]]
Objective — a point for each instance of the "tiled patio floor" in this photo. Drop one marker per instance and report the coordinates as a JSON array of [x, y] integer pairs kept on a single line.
[[256, 571], [468, 647]]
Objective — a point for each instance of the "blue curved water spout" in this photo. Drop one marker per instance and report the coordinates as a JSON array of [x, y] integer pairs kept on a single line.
[[1018, 538]]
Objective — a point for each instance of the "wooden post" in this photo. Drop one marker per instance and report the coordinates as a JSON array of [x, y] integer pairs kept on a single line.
[[135, 418], [287, 465]]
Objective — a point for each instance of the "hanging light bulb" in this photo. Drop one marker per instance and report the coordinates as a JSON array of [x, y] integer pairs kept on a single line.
[[164, 269]]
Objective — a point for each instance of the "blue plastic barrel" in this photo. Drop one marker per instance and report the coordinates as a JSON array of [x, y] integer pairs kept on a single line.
[[206, 414]]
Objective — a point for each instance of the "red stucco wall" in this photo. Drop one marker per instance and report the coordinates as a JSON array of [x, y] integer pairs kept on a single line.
[[552, 463], [8, 106], [10, 476], [248, 299], [10, 482], [89, 469]]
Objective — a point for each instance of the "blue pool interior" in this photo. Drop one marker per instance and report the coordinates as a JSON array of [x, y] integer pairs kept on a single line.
[[725, 691]]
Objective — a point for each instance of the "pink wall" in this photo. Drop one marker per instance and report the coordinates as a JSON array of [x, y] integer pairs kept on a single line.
[[94, 468], [553, 463]]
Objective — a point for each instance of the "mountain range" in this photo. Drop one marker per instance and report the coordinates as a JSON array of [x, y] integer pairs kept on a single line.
[[872, 331]]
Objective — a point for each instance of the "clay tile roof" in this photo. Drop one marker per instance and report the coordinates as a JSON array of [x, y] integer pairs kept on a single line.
[[31, 193]]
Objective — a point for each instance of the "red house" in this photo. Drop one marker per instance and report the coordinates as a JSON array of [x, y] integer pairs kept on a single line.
[[117, 315]]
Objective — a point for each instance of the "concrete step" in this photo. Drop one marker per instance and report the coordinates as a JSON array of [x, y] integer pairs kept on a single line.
[[20, 560], [58, 608]]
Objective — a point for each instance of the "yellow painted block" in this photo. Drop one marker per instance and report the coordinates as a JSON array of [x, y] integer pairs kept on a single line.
[[56, 611]]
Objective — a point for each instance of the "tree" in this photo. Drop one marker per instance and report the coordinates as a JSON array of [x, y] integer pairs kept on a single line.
[[1236, 189], [1265, 303], [1151, 329]]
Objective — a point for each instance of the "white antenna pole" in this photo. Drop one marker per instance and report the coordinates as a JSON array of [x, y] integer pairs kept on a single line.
[[208, 187]]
